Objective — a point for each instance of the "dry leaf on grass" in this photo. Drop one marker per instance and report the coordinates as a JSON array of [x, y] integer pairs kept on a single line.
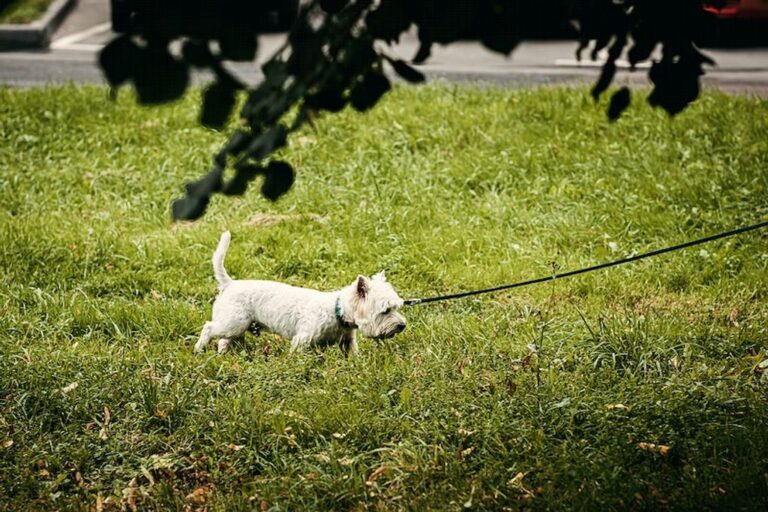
[[70, 387], [7, 443], [148, 476], [184, 224], [103, 434], [517, 480], [270, 219], [733, 317], [462, 365], [375, 475], [130, 494], [304, 140], [161, 461], [654, 448], [199, 495]]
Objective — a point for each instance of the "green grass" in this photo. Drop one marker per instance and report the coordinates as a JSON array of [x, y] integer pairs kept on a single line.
[[22, 11], [447, 188]]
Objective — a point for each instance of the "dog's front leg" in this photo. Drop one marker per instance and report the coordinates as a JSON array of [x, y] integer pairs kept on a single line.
[[223, 345], [300, 342], [349, 344]]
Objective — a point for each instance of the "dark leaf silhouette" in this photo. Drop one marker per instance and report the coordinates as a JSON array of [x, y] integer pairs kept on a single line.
[[275, 72], [267, 142], [619, 103], [278, 178], [501, 33], [306, 51], [238, 45], [207, 185], [189, 208], [606, 77], [243, 175], [237, 143], [218, 101], [389, 20], [676, 84], [360, 57], [159, 77], [407, 72], [423, 53], [369, 91], [118, 60], [196, 54], [332, 100], [641, 50], [199, 193]]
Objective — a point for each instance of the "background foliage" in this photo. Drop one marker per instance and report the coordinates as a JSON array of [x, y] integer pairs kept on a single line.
[[22, 11], [336, 55]]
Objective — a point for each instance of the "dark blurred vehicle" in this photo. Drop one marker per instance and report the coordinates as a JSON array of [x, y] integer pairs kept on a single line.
[[736, 24], [279, 14], [740, 10]]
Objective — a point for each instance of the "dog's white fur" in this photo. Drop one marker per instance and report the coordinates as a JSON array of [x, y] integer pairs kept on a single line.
[[303, 315]]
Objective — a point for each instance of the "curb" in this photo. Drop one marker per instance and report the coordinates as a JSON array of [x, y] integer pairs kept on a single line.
[[38, 33]]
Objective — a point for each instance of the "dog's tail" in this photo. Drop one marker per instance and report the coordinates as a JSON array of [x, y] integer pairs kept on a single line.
[[218, 261]]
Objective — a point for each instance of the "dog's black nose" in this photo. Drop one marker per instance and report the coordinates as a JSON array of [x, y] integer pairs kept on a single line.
[[400, 328]]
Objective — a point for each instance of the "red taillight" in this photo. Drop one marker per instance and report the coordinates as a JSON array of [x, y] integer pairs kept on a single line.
[[721, 6], [738, 9]]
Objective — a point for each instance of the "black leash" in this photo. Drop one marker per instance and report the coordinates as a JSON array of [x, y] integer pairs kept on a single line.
[[413, 302]]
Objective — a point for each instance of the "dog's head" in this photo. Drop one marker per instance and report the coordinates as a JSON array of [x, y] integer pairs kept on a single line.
[[375, 306]]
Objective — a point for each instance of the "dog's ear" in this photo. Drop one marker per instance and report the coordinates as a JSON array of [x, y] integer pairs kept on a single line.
[[362, 286], [380, 277]]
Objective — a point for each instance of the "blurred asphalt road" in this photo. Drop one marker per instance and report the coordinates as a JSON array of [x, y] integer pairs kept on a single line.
[[72, 58]]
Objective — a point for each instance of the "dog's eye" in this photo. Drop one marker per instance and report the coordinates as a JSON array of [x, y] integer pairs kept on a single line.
[[387, 311]]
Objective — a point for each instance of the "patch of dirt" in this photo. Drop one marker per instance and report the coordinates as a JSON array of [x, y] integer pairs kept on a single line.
[[270, 219], [184, 224]]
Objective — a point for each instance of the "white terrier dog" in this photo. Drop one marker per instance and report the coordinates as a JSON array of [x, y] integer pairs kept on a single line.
[[307, 317]]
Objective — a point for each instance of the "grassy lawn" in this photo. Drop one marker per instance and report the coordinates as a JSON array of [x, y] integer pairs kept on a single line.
[[102, 402], [22, 11]]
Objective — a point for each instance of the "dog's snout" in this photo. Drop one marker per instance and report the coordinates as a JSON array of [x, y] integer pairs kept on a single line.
[[400, 327]]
